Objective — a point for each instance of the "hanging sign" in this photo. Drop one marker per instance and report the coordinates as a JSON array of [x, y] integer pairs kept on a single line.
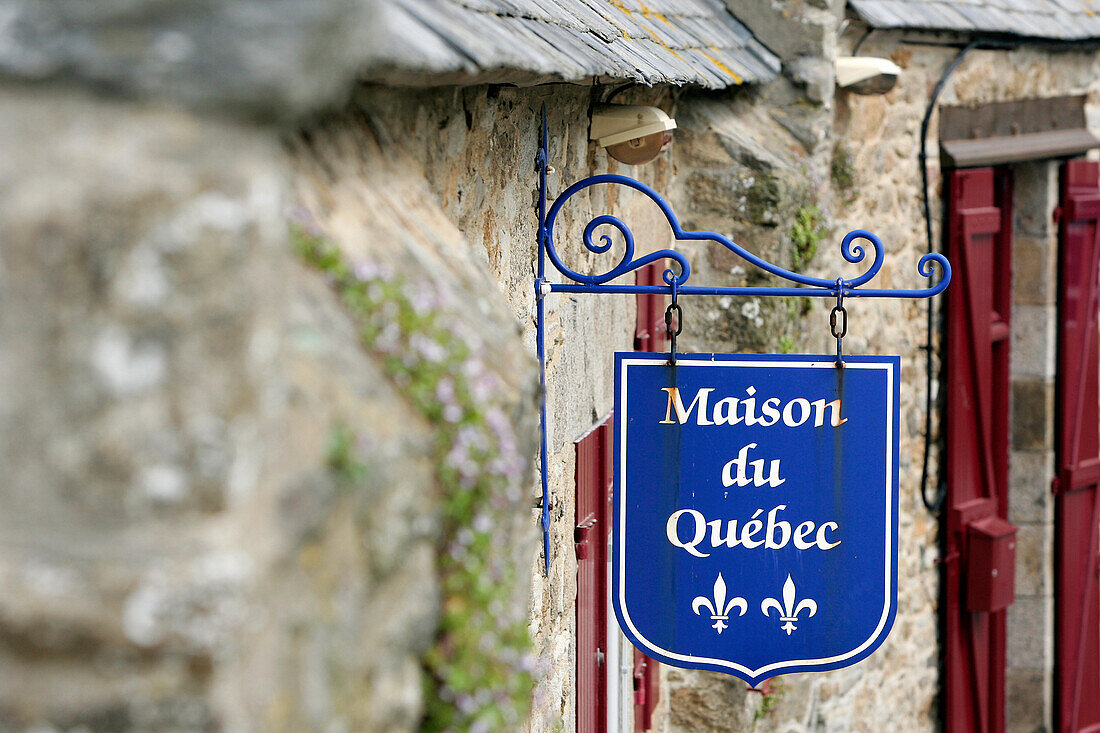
[[756, 509]]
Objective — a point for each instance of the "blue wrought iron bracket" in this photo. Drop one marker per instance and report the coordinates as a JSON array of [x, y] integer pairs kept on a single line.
[[805, 286]]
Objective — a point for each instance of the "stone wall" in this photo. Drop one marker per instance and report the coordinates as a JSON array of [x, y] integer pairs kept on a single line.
[[880, 137], [477, 147], [241, 519], [739, 166]]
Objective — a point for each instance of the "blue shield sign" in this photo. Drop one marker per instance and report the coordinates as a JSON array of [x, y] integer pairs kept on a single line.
[[755, 509]]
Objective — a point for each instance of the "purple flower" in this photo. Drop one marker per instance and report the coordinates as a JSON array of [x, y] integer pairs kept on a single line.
[[422, 297], [365, 270], [445, 390], [430, 349], [484, 385], [302, 217]]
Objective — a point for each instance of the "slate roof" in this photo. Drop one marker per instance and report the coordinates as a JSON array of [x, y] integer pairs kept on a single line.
[[660, 41], [1068, 20]]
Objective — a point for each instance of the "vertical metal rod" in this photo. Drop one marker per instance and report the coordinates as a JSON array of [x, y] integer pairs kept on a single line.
[[542, 450], [543, 160]]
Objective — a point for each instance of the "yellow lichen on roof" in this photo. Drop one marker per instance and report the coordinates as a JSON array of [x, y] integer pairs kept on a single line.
[[649, 13], [618, 4], [650, 43], [732, 74], [660, 41]]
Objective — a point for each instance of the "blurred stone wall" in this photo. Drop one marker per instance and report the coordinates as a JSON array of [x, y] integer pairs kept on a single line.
[[227, 507], [227, 504]]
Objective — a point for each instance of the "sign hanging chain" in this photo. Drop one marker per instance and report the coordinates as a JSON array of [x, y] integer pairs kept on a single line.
[[672, 334], [838, 322]]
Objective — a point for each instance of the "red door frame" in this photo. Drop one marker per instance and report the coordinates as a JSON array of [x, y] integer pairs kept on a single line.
[[1077, 447], [979, 238], [590, 535]]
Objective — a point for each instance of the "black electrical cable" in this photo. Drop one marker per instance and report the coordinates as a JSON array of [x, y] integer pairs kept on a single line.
[[859, 43], [932, 505], [619, 90]]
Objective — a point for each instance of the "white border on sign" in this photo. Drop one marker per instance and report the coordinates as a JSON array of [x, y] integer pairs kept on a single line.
[[889, 554]]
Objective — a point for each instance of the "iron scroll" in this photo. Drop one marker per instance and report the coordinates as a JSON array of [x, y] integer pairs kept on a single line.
[[850, 249]]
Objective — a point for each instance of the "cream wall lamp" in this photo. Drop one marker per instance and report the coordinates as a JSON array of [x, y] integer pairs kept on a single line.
[[632, 134], [866, 74]]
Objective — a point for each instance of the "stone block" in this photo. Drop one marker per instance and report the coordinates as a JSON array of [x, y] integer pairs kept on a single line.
[[1034, 544], [321, 50], [1030, 628], [1034, 346], [648, 224], [1028, 700], [1032, 414], [1029, 475], [866, 119], [817, 75], [1035, 192], [784, 28], [742, 194], [707, 701], [1034, 270], [712, 133]]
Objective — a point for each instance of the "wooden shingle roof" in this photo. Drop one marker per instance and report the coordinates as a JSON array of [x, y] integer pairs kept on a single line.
[[658, 41], [1068, 20]]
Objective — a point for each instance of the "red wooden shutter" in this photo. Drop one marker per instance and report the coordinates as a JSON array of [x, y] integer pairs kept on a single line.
[[977, 364], [649, 333], [647, 687], [593, 515], [1077, 509]]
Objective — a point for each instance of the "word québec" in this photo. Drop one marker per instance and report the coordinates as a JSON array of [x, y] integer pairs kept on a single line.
[[689, 530], [773, 534]]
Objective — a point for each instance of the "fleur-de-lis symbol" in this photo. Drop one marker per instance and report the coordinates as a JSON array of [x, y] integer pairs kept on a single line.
[[719, 609], [791, 609]]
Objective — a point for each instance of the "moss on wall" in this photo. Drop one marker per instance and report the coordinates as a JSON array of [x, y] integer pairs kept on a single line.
[[807, 231]]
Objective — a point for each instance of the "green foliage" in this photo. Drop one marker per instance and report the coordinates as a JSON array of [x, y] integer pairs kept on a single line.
[[798, 307], [475, 675], [843, 171], [807, 231], [772, 694], [340, 456]]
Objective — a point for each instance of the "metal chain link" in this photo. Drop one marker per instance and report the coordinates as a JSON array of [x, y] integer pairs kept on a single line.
[[838, 322], [674, 306]]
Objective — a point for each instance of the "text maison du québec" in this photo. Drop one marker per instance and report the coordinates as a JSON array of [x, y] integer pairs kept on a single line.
[[771, 532]]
